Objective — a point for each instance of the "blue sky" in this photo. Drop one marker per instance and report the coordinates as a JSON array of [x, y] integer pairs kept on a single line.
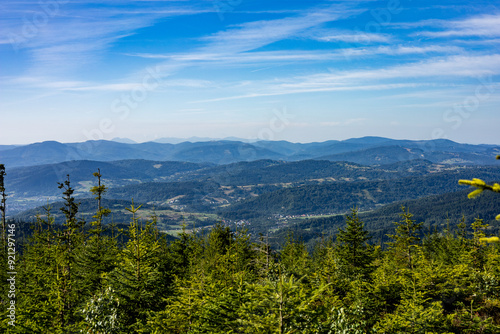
[[301, 71]]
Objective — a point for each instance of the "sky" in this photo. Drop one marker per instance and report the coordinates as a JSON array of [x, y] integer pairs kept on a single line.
[[300, 71]]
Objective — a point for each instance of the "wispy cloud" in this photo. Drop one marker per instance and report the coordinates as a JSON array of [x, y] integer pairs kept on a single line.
[[89, 33], [270, 57], [71, 35], [127, 86], [270, 90], [453, 66], [398, 50], [429, 73], [479, 26], [346, 36], [255, 34]]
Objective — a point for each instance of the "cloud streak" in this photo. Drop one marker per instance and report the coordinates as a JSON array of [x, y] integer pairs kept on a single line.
[[65, 36], [253, 35], [401, 76], [486, 25]]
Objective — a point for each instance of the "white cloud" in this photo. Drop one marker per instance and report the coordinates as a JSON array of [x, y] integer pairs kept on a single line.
[[71, 35], [430, 72], [487, 25], [354, 37], [252, 35], [180, 83], [276, 90], [399, 50], [453, 66], [307, 56]]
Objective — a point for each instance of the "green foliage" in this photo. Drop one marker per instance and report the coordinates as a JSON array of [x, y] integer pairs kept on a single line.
[[98, 191], [96, 256], [352, 246], [136, 278], [406, 237], [415, 315], [294, 258]]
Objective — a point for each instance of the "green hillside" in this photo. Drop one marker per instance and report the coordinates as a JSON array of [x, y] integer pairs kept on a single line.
[[437, 212], [339, 197]]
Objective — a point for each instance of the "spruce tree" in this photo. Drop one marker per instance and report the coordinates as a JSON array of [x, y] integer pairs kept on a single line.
[[43, 290], [70, 239], [136, 278], [96, 257], [352, 246], [99, 191], [294, 258], [407, 236]]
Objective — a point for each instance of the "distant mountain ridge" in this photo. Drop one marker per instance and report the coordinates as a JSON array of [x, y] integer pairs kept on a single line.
[[366, 151]]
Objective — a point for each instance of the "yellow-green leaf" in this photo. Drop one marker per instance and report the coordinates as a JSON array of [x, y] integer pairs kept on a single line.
[[475, 193], [468, 182], [478, 182], [490, 239]]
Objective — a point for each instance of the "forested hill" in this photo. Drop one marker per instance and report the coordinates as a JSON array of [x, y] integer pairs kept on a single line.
[[27, 186], [338, 197], [42, 180], [437, 213]]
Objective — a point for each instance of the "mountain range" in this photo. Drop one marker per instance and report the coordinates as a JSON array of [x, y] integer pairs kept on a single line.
[[256, 181], [366, 151]]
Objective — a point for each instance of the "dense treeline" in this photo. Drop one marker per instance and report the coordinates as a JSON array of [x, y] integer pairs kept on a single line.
[[78, 278]]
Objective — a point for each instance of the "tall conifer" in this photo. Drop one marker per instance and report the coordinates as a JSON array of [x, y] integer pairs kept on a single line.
[[136, 278], [352, 246]]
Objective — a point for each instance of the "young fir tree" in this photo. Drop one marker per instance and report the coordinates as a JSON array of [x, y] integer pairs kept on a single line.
[[352, 246], [73, 233], [40, 290], [225, 253], [294, 258], [136, 278], [406, 237], [70, 239], [99, 191], [49, 295], [97, 255]]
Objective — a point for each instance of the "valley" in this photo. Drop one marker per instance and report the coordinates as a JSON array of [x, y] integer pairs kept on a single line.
[[267, 195]]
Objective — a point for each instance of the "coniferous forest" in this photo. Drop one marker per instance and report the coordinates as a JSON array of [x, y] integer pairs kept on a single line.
[[90, 277]]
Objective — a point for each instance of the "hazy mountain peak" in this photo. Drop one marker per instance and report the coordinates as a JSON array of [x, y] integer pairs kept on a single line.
[[124, 140]]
